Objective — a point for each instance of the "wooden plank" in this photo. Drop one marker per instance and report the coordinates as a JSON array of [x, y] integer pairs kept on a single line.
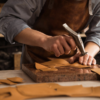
[[17, 59]]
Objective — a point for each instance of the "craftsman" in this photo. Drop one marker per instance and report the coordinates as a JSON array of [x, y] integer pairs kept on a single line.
[[18, 17]]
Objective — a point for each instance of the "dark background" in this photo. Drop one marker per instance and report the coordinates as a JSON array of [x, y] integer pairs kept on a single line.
[[3, 1]]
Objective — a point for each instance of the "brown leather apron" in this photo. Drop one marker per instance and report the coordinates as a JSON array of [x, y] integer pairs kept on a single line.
[[53, 15]]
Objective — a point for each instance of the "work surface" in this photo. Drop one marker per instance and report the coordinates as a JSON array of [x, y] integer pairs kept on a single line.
[[27, 80]]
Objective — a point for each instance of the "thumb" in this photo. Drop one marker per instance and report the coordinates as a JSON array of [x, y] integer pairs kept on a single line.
[[74, 58]]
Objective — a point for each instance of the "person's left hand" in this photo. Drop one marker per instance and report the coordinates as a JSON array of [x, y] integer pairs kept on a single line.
[[84, 60]]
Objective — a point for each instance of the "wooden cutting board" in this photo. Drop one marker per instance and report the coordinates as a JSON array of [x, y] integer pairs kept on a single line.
[[64, 74]]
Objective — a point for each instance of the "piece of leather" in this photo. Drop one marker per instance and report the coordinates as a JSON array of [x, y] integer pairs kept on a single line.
[[11, 81], [96, 70], [52, 65], [3, 96], [44, 68], [74, 13], [40, 66], [95, 92], [56, 63], [61, 62], [77, 65], [47, 90], [12, 94], [7, 82], [16, 79], [42, 90]]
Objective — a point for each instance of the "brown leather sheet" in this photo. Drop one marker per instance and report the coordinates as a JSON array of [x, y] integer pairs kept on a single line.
[[24, 92]]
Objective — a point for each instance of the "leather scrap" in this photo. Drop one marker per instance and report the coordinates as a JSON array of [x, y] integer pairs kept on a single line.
[[7, 82], [56, 63], [16, 79], [39, 66], [44, 68], [11, 81], [96, 70], [77, 65], [63, 63]]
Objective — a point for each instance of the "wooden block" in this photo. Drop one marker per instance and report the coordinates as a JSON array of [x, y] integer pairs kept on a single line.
[[17, 59], [63, 74]]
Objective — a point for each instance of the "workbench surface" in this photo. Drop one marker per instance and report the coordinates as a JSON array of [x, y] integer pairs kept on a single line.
[[27, 80]]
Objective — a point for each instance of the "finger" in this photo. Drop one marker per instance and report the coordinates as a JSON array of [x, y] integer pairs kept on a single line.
[[90, 60], [85, 59], [94, 66], [61, 50], [74, 58], [71, 41], [94, 62], [71, 60], [81, 59], [55, 50], [65, 45]]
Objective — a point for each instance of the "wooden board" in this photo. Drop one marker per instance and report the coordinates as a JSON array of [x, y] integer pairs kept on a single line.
[[63, 74], [17, 59]]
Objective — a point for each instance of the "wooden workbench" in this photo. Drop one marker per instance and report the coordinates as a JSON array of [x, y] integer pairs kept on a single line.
[[27, 80]]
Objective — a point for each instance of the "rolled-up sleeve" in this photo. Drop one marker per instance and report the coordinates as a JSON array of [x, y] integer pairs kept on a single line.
[[11, 27], [93, 34], [15, 16]]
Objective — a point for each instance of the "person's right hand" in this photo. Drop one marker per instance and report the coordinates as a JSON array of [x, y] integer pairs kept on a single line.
[[59, 45]]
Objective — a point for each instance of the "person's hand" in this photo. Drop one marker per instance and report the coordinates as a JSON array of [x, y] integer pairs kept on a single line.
[[84, 60], [87, 60], [59, 45]]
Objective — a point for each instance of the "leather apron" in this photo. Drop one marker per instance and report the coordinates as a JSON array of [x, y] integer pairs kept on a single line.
[[53, 15]]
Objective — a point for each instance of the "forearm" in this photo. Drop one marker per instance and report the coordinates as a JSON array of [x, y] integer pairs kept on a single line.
[[30, 37], [92, 48]]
